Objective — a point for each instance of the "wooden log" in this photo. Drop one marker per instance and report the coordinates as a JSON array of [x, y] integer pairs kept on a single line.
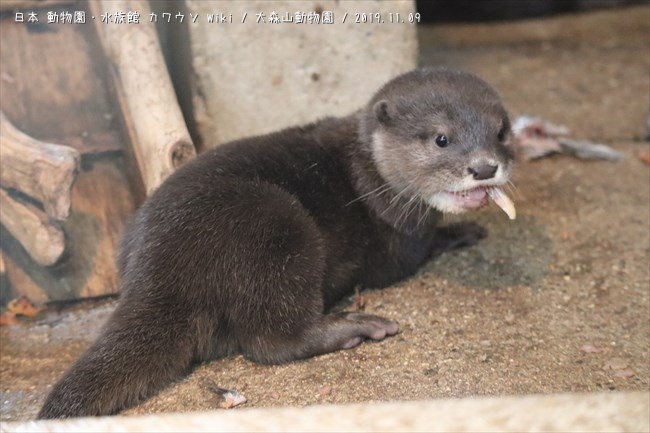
[[151, 112], [3, 267], [6, 293], [101, 202], [44, 171], [68, 93], [22, 283], [68, 99], [94, 144], [42, 238]]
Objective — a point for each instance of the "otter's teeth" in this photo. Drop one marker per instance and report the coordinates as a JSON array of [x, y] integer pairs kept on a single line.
[[503, 201]]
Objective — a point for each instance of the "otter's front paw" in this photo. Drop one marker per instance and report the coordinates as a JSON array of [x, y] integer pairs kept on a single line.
[[368, 326]]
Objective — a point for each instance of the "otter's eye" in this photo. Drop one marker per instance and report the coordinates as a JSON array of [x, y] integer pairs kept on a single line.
[[502, 134], [442, 141]]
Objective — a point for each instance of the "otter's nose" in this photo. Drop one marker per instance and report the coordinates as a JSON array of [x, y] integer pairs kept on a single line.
[[483, 171]]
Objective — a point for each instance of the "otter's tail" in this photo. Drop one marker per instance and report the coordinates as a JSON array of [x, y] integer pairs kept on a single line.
[[134, 358]]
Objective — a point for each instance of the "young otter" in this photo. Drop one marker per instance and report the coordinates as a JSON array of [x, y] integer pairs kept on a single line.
[[244, 249]]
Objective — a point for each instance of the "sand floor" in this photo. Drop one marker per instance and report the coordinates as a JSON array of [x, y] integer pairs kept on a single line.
[[506, 317]]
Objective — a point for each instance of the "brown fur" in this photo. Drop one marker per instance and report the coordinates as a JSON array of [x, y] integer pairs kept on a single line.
[[244, 249]]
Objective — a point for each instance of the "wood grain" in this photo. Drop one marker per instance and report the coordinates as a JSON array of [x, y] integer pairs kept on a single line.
[[55, 88], [43, 171], [42, 238], [152, 115]]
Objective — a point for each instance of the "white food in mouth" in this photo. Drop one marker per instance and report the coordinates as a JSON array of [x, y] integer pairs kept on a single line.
[[460, 201], [503, 201]]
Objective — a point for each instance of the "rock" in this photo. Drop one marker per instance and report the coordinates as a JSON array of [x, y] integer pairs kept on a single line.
[[255, 78]]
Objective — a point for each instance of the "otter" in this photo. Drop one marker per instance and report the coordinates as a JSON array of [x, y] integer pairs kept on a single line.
[[246, 248]]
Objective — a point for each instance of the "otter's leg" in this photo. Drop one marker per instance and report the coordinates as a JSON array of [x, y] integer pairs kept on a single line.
[[135, 357], [346, 330], [327, 333], [279, 314]]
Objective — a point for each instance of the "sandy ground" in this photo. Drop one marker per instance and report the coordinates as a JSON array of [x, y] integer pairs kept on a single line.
[[506, 317]]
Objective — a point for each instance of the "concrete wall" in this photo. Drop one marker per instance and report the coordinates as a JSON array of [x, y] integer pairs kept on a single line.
[[612, 411], [254, 78]]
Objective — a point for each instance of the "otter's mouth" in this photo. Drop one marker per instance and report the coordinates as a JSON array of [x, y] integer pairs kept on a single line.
[[474, 198]]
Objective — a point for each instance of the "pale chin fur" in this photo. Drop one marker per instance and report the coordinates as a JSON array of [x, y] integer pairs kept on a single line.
[[445, 203]]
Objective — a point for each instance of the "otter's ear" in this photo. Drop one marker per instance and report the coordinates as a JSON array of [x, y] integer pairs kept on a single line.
[[381, 112]]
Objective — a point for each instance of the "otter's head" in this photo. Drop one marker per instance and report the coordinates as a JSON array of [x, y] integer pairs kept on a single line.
[[442, 136]]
